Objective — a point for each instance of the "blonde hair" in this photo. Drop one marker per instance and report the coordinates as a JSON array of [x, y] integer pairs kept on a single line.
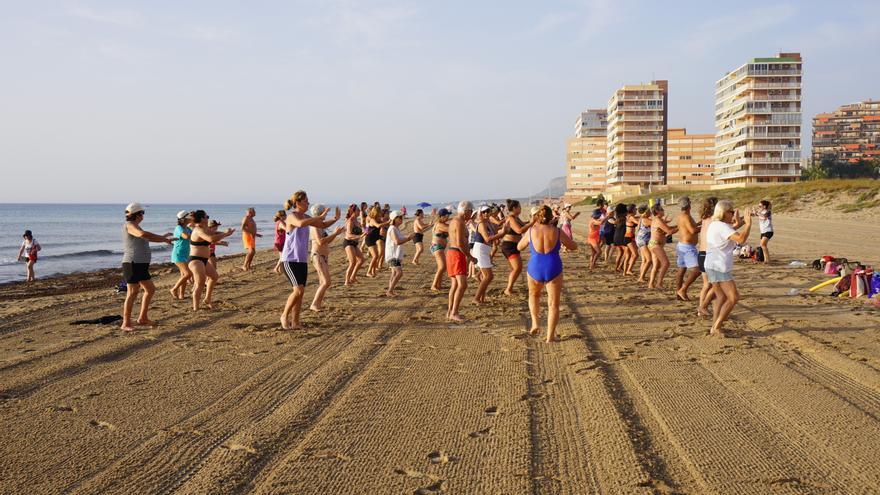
[[374, 212], [280, 214], [297, 197], [721, 208]]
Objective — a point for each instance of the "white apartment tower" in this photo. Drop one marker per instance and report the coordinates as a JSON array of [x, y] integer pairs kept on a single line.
[[586, 155], [758, 122], [637, 120]]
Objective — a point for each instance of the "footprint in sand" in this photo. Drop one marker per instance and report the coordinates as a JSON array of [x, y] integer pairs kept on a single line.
[[103, 425], [480, 433], [440, 457], [491, 410], [437, 487], [411, 473], [63, 408], [237, 446], [533, 396]]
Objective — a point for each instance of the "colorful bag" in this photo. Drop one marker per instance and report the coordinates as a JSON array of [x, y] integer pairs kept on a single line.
[[875, 285]]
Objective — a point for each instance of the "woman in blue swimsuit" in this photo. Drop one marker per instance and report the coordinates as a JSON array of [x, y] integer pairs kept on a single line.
[[545, 267]]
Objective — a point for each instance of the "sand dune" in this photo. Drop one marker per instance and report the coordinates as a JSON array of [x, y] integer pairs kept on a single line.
[[382, 396]]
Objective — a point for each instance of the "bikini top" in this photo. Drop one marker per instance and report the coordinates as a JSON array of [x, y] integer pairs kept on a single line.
[[200, 243], [442, 235]]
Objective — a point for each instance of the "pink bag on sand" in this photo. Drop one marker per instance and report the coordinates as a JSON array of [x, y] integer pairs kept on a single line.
[[832, 268]]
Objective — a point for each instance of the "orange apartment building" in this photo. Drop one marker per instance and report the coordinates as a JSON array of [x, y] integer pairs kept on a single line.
[[637, 120], [758, 122], [586, 156], [851, 133], [690, 160]]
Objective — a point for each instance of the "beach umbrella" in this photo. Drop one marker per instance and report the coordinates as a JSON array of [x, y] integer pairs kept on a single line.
[[423, 205]]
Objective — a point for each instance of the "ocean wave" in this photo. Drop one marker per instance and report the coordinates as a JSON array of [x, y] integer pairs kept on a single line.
[[92, 253]]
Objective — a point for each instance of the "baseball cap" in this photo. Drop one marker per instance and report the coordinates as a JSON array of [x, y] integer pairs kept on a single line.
[[395, 214], [182, 214], [484, 208], [133, 208], [443, 212]]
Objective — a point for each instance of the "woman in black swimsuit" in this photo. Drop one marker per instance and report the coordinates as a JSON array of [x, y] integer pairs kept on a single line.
[[374, 234], [353, 234], [419, 228], [513, 230], [199, 251]]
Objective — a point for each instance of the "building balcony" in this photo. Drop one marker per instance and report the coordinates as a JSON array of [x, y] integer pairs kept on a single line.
[[773, 72], [758, 173]]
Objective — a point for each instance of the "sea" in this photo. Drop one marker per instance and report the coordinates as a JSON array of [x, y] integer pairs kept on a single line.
[[88, 237]]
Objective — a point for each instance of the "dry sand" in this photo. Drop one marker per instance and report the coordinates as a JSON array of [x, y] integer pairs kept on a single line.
[[382, 396]]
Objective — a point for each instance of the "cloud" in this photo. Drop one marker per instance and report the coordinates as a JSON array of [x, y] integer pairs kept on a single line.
[[351, 23], [599, 15], [121, 18], [208, 33], [551, 21], [720, 31]]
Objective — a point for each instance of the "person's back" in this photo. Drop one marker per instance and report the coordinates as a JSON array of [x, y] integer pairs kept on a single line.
[[687, 228], [544, 238]]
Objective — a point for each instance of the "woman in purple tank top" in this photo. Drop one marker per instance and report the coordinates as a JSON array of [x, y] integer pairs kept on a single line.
[[294, 257]]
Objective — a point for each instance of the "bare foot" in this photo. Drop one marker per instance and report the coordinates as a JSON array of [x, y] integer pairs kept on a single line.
[[127, 328], [702, 312], [146, 323], [715, 332], [681, 297], [534, 330], [390, 293], [456, 319], [507, 292], [208, 305], [284, 323], [315, 309], [551, 339], [173, 294]]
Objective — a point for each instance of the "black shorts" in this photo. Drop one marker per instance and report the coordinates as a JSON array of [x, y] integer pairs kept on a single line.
[[470, 246], [349, 242], [297, 273], [418, 237], [199, 258], [701, 261], [608, 238], [508, 249], [395, 262], [768, 235], [135, 272]]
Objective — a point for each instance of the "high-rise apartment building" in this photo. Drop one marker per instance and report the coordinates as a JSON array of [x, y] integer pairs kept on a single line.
[[637, 120], [758, 122], [690, 160], [850, 133], [586, 157]]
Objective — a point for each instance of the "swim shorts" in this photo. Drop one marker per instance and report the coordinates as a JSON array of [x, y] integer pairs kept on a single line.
[[768, 235], [247, 240], [716, 276], [395, 263], [135, 272], [297, 273], [418, 237], [456, 263], [508, 249], [687, 255]]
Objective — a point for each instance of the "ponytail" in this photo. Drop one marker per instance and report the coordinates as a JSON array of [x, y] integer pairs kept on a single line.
[[296, 197]]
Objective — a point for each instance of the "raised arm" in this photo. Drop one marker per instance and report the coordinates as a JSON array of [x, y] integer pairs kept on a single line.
[[742, 236], [216, 236], [294, 221], [139, 232]]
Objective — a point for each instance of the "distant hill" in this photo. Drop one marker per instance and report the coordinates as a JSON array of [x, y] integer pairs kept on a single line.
[[555, 188]]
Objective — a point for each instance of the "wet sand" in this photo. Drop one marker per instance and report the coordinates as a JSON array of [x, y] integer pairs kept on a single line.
[[383, 396]]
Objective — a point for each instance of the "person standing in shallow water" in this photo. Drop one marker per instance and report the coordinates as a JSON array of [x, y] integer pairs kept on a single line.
[[28, 253], [136, 259], [545, 268]]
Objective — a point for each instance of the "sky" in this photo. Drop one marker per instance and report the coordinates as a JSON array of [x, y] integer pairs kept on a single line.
[[231, 102]]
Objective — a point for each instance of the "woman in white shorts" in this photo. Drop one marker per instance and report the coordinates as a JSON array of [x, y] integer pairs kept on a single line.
[[484, 236], [721, 239]]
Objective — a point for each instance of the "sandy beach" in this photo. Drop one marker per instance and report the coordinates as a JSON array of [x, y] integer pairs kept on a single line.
[[383, 396]]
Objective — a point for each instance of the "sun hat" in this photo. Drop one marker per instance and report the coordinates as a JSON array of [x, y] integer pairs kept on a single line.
[[182, 214], [317, 209], [133, 208], [395, 214], [484, 208]]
